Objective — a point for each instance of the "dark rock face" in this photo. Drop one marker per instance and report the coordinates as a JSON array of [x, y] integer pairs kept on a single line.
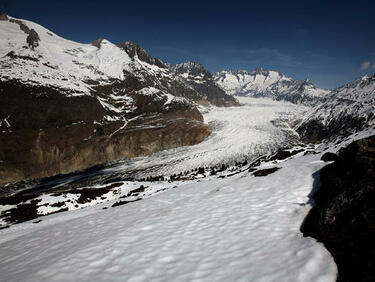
[[344, 215], [33, 39], [48, 132], [314, 131], [329, 157]]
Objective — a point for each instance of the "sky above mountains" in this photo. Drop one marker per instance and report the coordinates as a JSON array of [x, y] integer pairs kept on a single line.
[[330, 42]]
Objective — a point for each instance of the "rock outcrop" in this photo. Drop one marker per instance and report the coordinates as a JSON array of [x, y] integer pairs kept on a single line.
[[343, 217]]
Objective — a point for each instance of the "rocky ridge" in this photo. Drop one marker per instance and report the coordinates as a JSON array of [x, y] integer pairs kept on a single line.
[[347, 109], [203, 81]]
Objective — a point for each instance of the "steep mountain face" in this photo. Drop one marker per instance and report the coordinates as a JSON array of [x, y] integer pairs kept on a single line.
[[348, 109], [66, 106], [272, 84], [203, 82]]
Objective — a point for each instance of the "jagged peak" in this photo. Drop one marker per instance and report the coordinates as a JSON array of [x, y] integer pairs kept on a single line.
[[234, 72], [256, 71], [192, 68], [135, 50]]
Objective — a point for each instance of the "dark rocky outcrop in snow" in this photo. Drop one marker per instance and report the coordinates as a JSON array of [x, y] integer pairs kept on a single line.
[[343, 217], [33, 39]]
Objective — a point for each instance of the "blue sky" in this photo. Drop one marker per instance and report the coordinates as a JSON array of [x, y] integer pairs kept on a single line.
[[331, 42]]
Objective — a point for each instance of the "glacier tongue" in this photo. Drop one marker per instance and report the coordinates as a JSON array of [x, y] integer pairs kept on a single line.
[[258, 127]]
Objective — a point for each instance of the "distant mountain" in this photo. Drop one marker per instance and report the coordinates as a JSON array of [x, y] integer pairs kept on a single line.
[[267, 83], [347, 109], [203, 82], [66, 106]]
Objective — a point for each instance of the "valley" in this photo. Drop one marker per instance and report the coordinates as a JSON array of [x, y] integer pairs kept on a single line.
[[119, 166], [258, 127]]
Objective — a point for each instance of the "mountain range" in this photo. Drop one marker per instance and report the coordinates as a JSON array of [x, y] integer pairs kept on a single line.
[[271, 84], [67, 106]]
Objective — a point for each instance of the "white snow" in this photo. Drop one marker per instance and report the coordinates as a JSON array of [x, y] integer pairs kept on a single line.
[[61, 63], [242, 228]]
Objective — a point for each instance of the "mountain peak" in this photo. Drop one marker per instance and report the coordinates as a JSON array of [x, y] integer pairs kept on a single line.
[[98, 42], [134, 50], [3, 17], [190, 68], [365, 77], [260, 71]]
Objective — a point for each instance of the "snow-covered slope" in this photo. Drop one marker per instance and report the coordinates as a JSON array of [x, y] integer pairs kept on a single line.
[[272, 84], [347, 109], [56, 61], [239, 228]]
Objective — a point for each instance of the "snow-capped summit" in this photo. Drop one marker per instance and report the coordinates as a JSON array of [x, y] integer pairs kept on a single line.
[[268, 83]]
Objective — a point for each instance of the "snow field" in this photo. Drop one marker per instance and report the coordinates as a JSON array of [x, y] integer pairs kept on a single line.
[[242, 228]]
